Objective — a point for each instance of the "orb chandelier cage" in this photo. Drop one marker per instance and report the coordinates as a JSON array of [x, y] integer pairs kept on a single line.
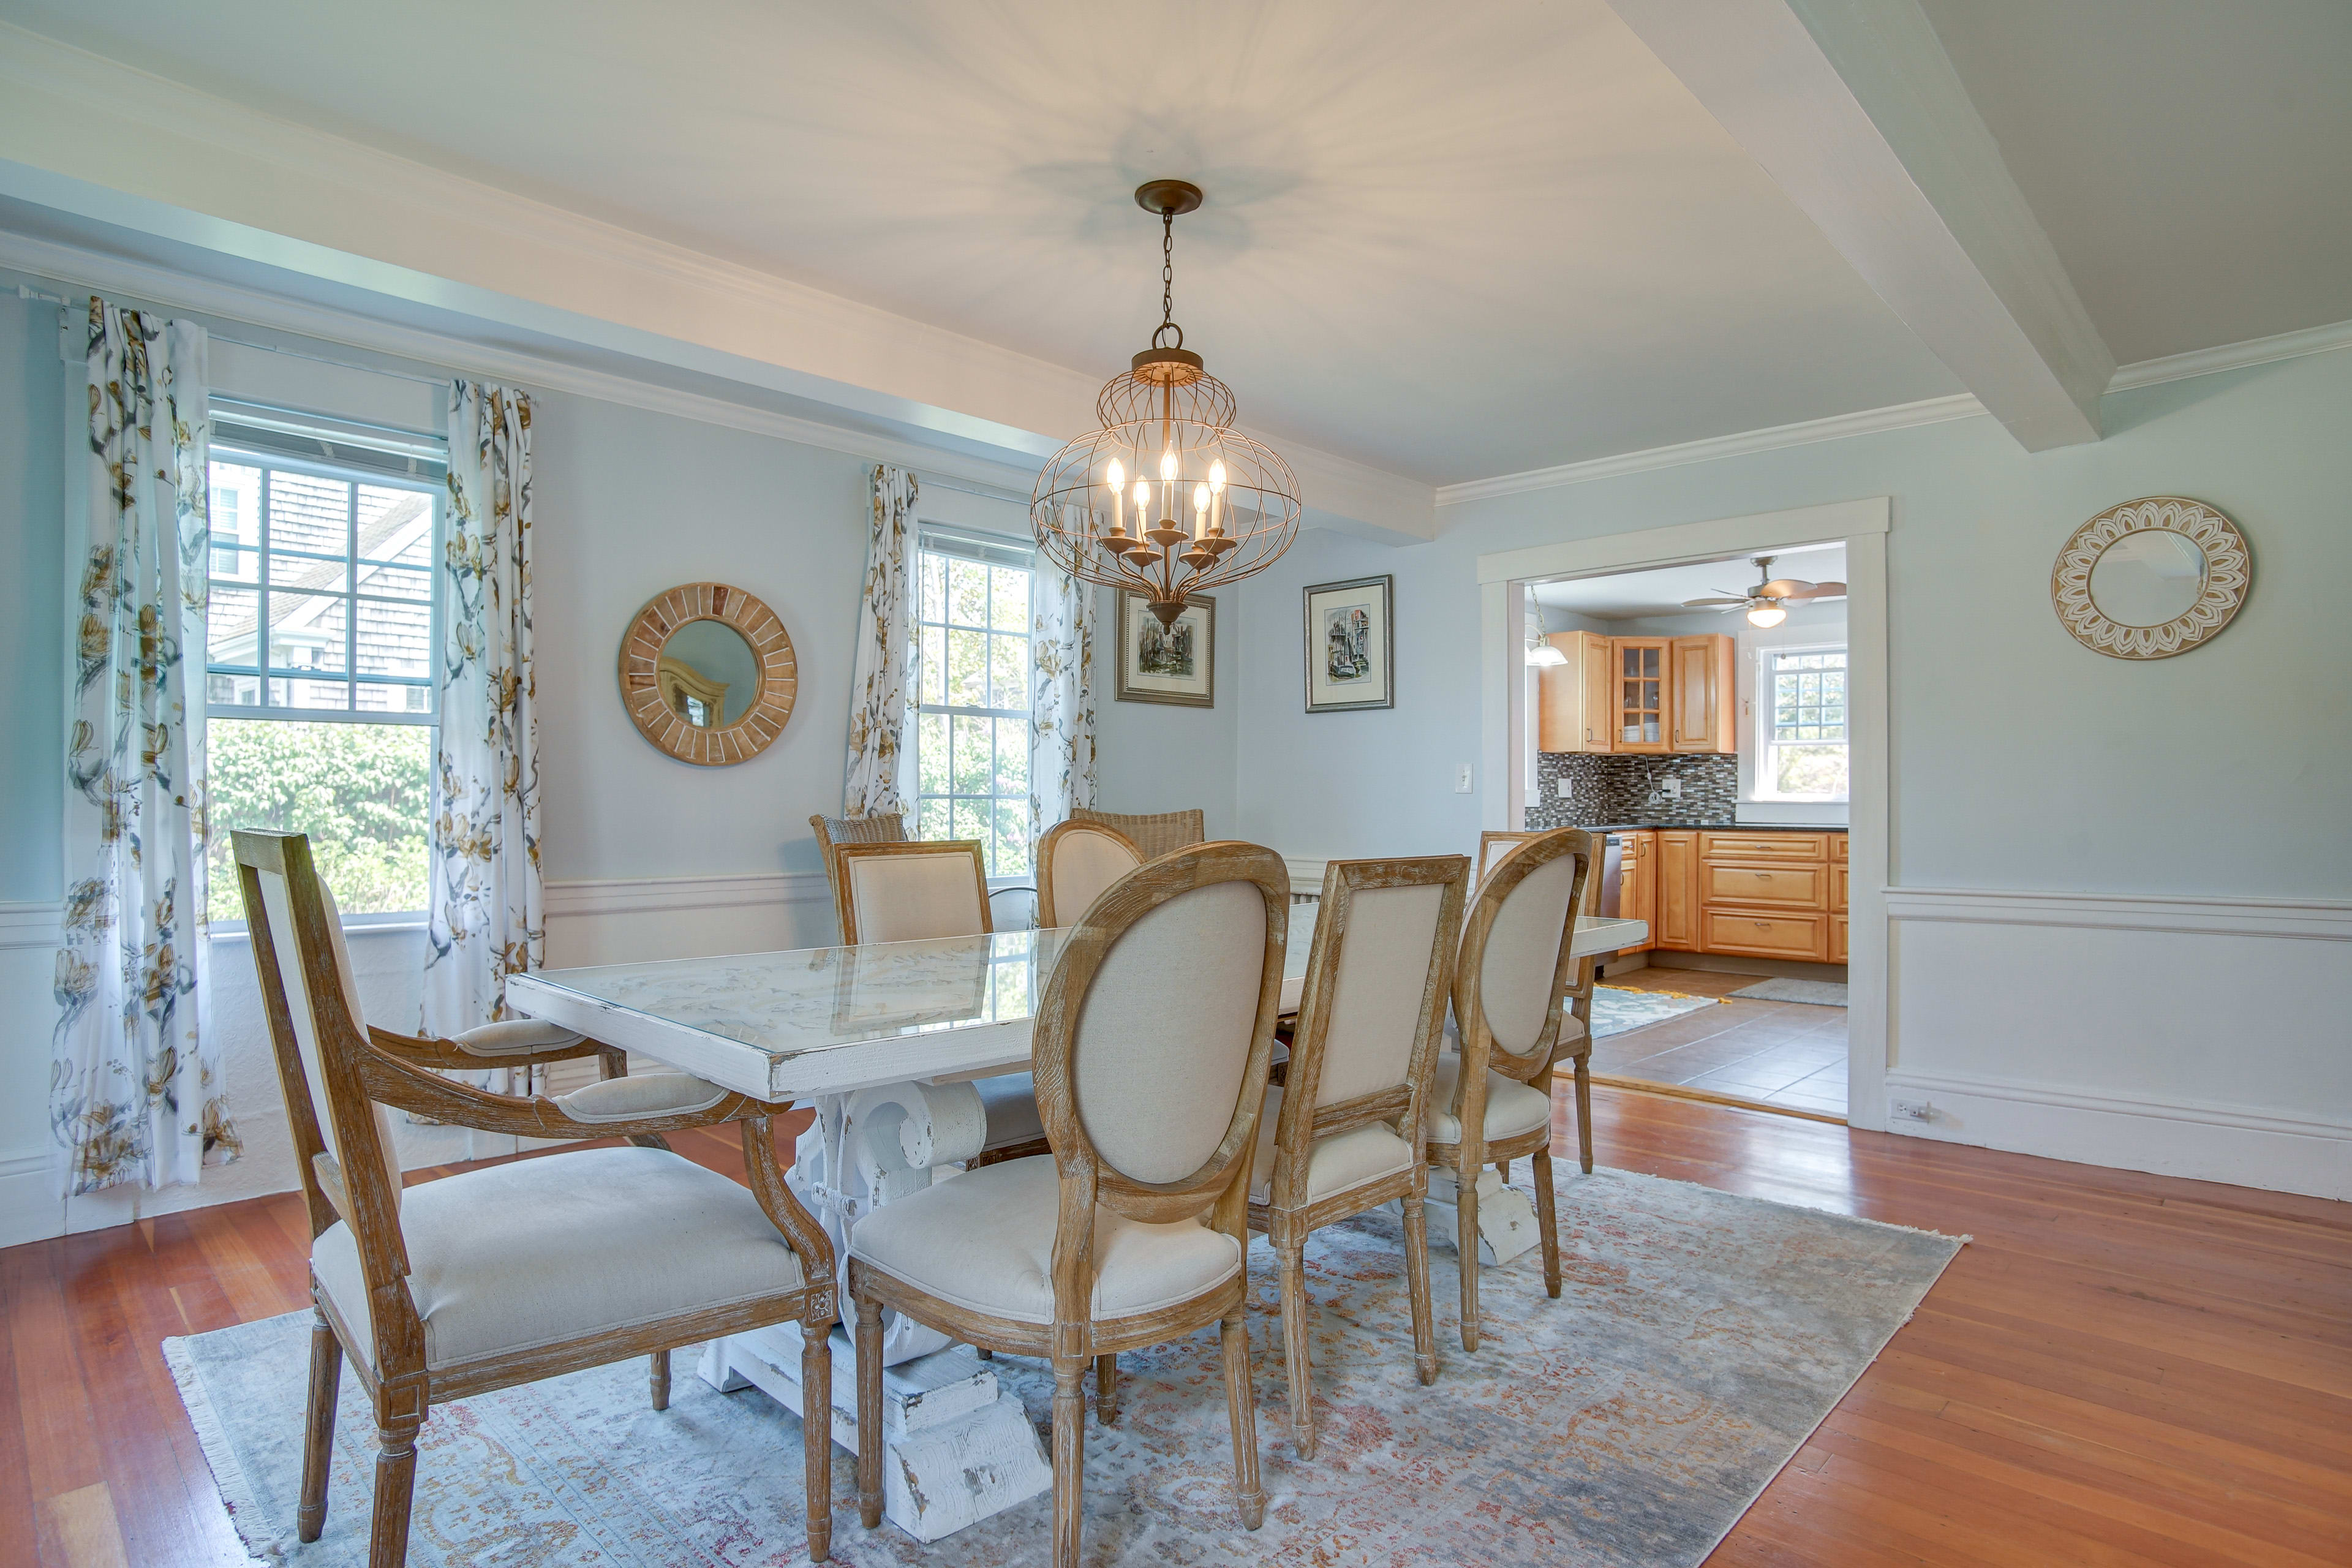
[[1165, 497]]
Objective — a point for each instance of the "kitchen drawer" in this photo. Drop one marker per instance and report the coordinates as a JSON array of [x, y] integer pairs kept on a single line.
[[1763, 847], [1837, 939], [1768, 936], [1837, 844], [1793, 887], [1839, 878]]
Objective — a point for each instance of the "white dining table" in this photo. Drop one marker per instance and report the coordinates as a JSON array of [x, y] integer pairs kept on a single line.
[[883, 1042]]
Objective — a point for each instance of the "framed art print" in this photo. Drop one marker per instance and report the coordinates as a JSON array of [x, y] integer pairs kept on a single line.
[[1175, 663], [1351, 651]]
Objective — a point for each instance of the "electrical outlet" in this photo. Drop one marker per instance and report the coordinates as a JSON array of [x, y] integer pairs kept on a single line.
[[1913, 1109], [1462, 780], [1671, 789], [1564, 788]]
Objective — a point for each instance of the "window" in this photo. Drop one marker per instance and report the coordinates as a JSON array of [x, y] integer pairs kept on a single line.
[[320, 692], [1804, 724], [971, 695]]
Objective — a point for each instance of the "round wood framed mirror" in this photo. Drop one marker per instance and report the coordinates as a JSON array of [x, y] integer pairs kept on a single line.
[[707, 674], [2151, 578]]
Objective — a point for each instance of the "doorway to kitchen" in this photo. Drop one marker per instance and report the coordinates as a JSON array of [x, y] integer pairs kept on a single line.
[[1711, 700]]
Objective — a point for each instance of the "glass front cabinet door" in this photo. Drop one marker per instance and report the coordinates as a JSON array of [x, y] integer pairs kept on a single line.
[[1642, 695]]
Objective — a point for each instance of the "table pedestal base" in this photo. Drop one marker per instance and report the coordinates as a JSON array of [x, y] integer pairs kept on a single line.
[[958, 1447], [1506, 1216]]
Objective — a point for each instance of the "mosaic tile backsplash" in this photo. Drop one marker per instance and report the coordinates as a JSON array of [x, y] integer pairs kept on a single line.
[[1608, 788]]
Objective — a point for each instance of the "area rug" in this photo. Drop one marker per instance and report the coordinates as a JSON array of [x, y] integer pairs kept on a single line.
[[1617, 1009], [1699, 1339], [1814, 993]]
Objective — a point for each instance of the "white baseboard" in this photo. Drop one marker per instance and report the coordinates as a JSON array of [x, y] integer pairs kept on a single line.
[[2189, 1036]]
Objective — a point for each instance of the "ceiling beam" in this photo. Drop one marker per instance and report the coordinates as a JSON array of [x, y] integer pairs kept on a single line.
[[1855, 108]]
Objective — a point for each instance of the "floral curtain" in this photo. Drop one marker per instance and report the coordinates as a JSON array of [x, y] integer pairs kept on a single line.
[[136, 1093], [1061, 698], [486, 918], [880, 684]]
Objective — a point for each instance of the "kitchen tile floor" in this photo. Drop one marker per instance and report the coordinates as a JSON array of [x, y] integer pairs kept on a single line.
[[1786, 1054]]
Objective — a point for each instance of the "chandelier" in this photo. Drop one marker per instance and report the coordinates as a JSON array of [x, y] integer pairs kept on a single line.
[[1166, 498]]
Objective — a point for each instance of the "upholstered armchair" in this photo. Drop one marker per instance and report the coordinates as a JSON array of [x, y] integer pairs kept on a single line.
[[509, 1273], [1342, 1134], [1152, 1041], [1511, 981]]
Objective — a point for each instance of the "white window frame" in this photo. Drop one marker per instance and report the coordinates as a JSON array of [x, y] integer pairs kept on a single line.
[[988, 549], [436, 491], [1764, 707]]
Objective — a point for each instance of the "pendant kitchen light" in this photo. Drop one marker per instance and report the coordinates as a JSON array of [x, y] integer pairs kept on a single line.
[[1166, 498]]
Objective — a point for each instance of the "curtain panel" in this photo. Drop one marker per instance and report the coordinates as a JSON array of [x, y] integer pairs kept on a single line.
[[136, 1090], [1061, 696], [486, 918], [880, 691]]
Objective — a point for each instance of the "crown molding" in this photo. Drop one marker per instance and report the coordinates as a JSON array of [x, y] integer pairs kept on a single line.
[[1805, 432], [2233, 356]]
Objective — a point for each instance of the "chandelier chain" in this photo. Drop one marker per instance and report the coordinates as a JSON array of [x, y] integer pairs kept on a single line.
[[1167, 280]]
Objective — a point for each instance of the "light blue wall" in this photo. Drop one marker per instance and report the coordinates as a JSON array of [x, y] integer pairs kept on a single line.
[[1157, 757], [32, 601], [2019, 759]]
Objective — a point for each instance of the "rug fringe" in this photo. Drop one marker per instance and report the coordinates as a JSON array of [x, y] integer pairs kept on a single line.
[[237, 1488]]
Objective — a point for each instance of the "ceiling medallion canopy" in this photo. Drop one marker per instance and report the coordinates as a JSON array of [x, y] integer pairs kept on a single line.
[[1166, 498]]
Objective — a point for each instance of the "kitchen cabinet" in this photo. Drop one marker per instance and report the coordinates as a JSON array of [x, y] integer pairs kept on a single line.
[[1643, 677], [1637, 889], [1759, 935], [1677, 927], [1772, 895], [1572, 711], [1837, 939], [1700, 689]]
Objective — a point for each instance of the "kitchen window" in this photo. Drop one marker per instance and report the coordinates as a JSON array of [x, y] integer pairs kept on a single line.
[[1803, 722], [971, 694], [318, 686]]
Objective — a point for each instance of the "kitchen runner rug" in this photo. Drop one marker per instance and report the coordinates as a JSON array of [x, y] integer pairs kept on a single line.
[[1699, 1339], [1816, 993], [1617, 1009]]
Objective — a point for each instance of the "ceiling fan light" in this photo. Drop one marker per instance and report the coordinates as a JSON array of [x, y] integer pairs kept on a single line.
[[1767, 616]]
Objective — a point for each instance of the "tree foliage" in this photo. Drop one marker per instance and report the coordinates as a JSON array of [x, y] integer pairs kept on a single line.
[[361, 792]]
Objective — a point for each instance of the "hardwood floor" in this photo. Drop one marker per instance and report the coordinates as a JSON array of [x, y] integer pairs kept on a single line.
[[1790, 1055], [2120, 1369]]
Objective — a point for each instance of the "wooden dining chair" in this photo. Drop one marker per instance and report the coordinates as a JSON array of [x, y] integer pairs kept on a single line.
[[1076, 861], [511, 1273], [1151, 1042], [1576, 1030], [1496, 843], [919, 892], [1343, 1133], [1492, 1101], [1158, 834], [832, 832]]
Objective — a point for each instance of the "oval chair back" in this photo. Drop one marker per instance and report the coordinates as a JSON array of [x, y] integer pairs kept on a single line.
[[1076, 861], [916, 890]]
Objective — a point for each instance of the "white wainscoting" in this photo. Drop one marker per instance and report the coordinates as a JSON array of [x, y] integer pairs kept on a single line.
[[30, 1208], [2191, 1036]]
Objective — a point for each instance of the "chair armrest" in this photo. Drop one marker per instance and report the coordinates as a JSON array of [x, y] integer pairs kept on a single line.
[[407, 1086], [517, 1042]]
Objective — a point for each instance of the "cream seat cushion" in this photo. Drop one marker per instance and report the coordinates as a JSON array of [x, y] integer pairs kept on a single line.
[[513, 1257], [1512, 1107], [1336, 1164], [1010, 1101], [984, 1241]]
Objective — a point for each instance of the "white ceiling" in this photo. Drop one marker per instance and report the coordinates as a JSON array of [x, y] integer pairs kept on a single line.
[[1629, 595], [2190, 160], [1451, 242]]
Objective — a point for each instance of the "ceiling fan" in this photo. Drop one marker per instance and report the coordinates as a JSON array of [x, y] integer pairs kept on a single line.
[[1767, 603]]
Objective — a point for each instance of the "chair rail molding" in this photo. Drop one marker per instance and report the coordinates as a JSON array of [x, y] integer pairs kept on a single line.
[[30, 925], [2189, 1035], [664, 895]]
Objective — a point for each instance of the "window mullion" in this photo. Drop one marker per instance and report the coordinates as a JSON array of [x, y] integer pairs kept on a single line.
[[261, 600], [352, 595]]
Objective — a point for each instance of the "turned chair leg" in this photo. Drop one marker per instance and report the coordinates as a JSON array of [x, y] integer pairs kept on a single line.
[[1416, 1274], [319, 1428], [1466, 1235], [395, 1485], [1584, 1113], [1547, 1223], [658, 1378], [869, 1411], [1106, 1388], [816, 1437], [1242, 1407], [1291, 1253], [1069, 1457]]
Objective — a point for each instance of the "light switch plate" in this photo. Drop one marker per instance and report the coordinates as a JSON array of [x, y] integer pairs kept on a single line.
[[1462, 780]]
